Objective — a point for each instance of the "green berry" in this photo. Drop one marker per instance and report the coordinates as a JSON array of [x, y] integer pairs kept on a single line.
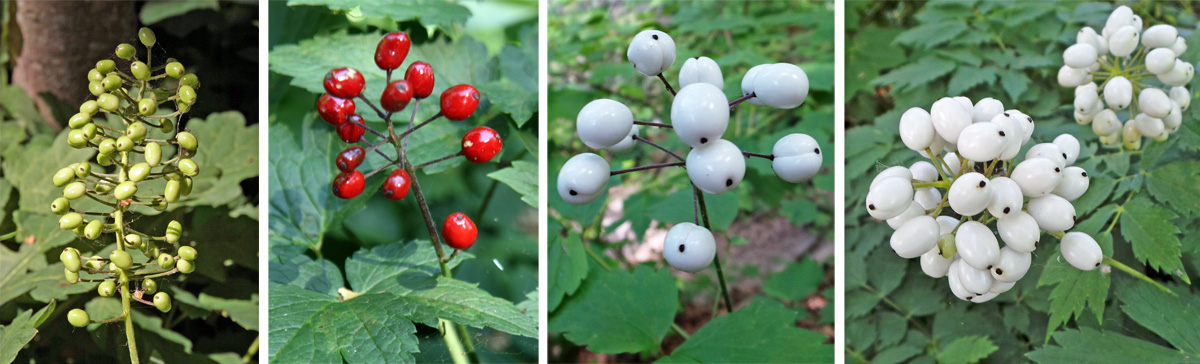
[[124, 143], [136, 131], [140, 70], [89, 131], [147, 106], [89, 107], [78, 318], [139, 172], [63, 176], [187, 94], [175, 69], [187, 140], [171, 192], [93, 229], [188, 167], [133, 241], [162, 300], [71, 277], [185, 266], [70, 259], [95, 88], [160, 204], [150, 249], [166, 261], [60, 206], [77, 139], [149, 286], [121, 259], [187, 253], [107, 288], [189, 80], [125, 190], [153, 154], [167, 126], [107, 146], [111, 82], [146, 36], [174, 230], [108, 102], [947, 246], [104, 187], [104, 160], [79, 120], [82, 169], [70, 221], [74, 190], [126, 51], [183, 107], [94, 263], [106, 66], [185, 186], [95, 75]]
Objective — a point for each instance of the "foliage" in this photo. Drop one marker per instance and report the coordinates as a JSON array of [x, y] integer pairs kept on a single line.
[[902, 54], [609, 289]]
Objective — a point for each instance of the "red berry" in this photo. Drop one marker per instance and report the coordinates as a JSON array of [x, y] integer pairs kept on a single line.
[[351, 158], [459, 231], [396, 185], [334, 109], [349, 131], [348, 184], [396, 96], [392, 50], [459, 102], [481, 144], [344, 82], [420, 77]]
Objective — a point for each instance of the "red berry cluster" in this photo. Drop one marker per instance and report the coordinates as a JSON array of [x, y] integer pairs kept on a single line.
[[337, 107]]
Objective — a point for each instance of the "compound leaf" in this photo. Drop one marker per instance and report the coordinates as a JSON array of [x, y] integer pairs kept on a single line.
[[314, 327], [620, 311], [764, 331], [521, 177], [1088, 345], [1155, 239]]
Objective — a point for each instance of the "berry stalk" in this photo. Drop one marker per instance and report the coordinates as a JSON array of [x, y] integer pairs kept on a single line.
[[716, 258]]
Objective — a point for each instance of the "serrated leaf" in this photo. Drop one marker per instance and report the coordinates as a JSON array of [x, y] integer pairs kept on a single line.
[[919, 72], [1088, 345], [778, 340], [931, 34], [464, 303], [1175, 185], [318, 328], [619, 311], [229, 155], [242, 312], [799, 211], [1014, 83], [796, 281], [1073, 289], [396, 268], [892, 327], [895, 355], [439, 13], [1175, 319], [964, 350], [567, 267], [289, 266], [21, 330], [522, 177], [885, 271], [1155, 239], [30, 169], [966, 78], [511, 99], [529, 307]]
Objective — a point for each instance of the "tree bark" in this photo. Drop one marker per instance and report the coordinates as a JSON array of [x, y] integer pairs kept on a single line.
[[62, 40]]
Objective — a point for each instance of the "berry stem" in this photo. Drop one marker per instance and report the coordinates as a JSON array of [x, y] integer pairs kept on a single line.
[[679, 330], [377, 151], [1125, 268], [367, 128], [382, 115], [423, 123], [770, 157], [647, 123], [410, 121], [643, 140], [738, 101], [716, 257], [642, 168], [452, 156], [667, 83], [372, 173]]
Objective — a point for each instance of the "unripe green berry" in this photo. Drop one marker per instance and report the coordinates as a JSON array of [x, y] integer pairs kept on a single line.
[[105, 66], [159, 204], [167, 127], [89, 107], [104, 160], [171, 192], [187, 253], [150, 248], [107, 146], [70, 221], [139, 172], [140, 70], [174, 230], [121, 259], [77, 139], [125, 190], [71, 277], [147, 106], [149, 286], [79, 120], [162, 300], [89, 131], [153, 154], [133, 241], [74, 190], [93, 229], [107, 288], [95, 75], [947, 246], [78, 318], [63, 176], [136, 131], [146, 36], [104, 187], [60, 206], [111, 82], [175, 69], [185, 186], [187, 140], [185, 266], [94, 263], [126, 51], [124, 143], [188, 167], [187, 94], [108, 102], [95, 88], [166, 261], [82, 169], [189, 80], [70, 259]]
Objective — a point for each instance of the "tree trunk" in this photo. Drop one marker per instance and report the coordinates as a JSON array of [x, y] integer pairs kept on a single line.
[[62, 40]]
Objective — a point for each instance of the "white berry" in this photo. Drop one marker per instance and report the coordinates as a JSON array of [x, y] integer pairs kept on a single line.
[[976, 244], [916, 129], [970, 194], [797, 158], [689, 247], [1074, 183], [986, 109], [1011, 265], [1154, 102], [914, 209], [1123, 41], [1019, 231], [1080, 55], [1159, 36], [1006, 197], [977, 281], [949, 118], [1052, 212], [894, 171], [603, 123], [1071, 77], [1069, 145], [915, 237], [748, 83], [700, 114], [651, 52], [889, 198], [781, 85], [1037, 176], [1106, 122], [1181, 96], [1160, 60], [982, 141], [934, 265], [716, 167], [583, 178], [701, 69], [1118, 93], [1081, 250]]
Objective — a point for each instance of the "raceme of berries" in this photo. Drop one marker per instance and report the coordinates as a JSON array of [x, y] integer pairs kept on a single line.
[[699, 117], [130, 159], [1142, 89], [338, 108], [953, 210]]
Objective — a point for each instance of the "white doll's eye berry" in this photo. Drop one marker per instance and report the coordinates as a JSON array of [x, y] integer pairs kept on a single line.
[[947, 224], [916, 129], [583, 178], [1052, 212], [1011, 265], [1019, 231], [982, 141], [998, 287], [1037, 176], [976, 245], [1088, 35], [1159, 36], [1148, 126], [1123, 42], [689, 247], [1069, 145], [1180, 46], [1121, 16], [1181, 96], [914, 209], [986, 109], [1106, 123], [1049, 151], [603, 123], [915, 237], [748, 83], [701, 69], [716, 167], [1118, 93], [966, 104], [923, 171], [956, 286], [1014, 135], [1081, 251], [952, 163], [651, 52], [949, 119], [1086, 103], [781, 85], [1179, 75], [1080, 55], [1154, 102], [889, 197], [970, 194], [627, 142], [927, 197], [797, 158], [700, 114], [1006, 197], [894, 171], [977, 281], [1071, 77], [1074, 183], [1174, 119], [934, 265], [1160, 60]]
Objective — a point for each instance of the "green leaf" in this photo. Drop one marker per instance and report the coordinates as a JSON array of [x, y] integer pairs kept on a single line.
[[1014, 83], [529, 307], [964, 350], [567, 266], [917, 73], [895, 355], [775, 338], [1073, 289], [1155, 239], [229, 155], [396, 268], [21, 330], [236, 242], [799, 211], [319, 328], [619, 311], [464, 303], [1175, 185], [437, 13], [522, 177], [242, 312], [1089, 345], [511, 99], [30, 169], [966, 78], [154, 12], [289, 266], [892, 327], [1176, 319], [931, 34], [796, 281]]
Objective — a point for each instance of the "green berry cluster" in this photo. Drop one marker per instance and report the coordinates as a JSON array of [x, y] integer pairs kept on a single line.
[[132, 90]]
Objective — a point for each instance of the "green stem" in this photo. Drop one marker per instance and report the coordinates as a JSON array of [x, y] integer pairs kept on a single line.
[[7, 236], [1125, 268], [716, 257], [679, 330], [453, 345], [595, 257], [250, 352]]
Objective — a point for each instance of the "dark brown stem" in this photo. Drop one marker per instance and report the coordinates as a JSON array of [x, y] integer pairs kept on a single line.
[[643, 140], [642, 168], [381, 114], [647, 123], [410, 122], [735, 102], [764, 156], [452, 156], [364, 126], [667, 83], [377, 151], [716, 257], [372, 173]]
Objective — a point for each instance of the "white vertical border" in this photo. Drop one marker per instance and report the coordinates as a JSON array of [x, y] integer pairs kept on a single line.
[[263, 196], [839, 180], [543, 203]]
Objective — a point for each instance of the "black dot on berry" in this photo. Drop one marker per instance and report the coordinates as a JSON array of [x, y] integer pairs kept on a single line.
[[999, 271], [1084, 174], [655, 36], [1001, 133], [1065, 156], [729, 182], [573, 193], [989, 267], [982, 183], [703, 140], [1029, 118], [695, 57], [1006, 209], [979, 294], [681, 247], [871, 207], [475, 96], [817, 150], [1005, 114], [1097, 264], [1057, 170]]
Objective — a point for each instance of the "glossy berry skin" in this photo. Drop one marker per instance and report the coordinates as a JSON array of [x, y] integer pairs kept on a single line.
[[689, 248], [78, 318], [603, 123], [348, 184], [187, 253], [334, 110], [351, 158], [396, 96], [349, 131], [459, 102], [396, 186], [420, 76], [344, 82], [392, 50], [481, 144], [459, 231], [162, 301], [583, 178]]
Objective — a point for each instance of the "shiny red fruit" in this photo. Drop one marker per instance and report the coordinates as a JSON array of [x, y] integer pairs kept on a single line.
[[396, 185], [345, 83], [349, 159], [481, 144], [392, 50], [348, 184], [334, 109], [459, 102], [349, 131], [420, 77], [459, 231], [396, 96]]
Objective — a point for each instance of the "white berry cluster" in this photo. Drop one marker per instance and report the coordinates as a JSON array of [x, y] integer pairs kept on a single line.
[[699, 116], [973, 178], [1127, 75]]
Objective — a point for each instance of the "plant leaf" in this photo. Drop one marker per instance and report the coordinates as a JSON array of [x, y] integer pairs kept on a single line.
[[1175, 319], [1155, 239], [967, 349], [522, 178], [439, 13], [776, 339], [1088, 345], [465, 303], [1175, 185], [318, 328], [567, 266], [796, 281], [619, 311], [1073, 289]]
